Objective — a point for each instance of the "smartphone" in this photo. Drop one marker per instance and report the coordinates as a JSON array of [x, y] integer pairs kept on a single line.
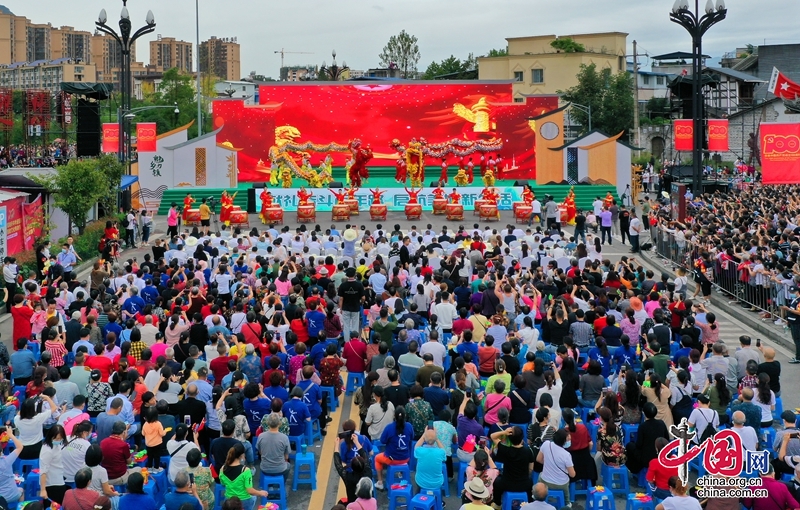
[[469, 393], [234, 390], [430, 424], [710, 378], [191, 479], [482, 442], [187, 420], [61, 329], [758, 342]]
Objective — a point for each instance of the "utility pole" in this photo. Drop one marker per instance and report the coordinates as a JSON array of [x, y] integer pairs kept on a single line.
[[636, 96]]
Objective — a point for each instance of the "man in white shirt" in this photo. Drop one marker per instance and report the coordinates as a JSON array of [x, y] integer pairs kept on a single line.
[[378, 281], [748, 435], [539, 499], [148, 331], [446, 312], [435, 349], [634, 229], [536, 210], [177, 448]]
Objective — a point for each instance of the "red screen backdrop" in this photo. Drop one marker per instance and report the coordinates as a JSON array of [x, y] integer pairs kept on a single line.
[[378, 112], [683, 134], [718, 135], [780, 153]]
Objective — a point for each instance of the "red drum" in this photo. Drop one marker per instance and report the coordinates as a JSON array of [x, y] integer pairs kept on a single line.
[[515, 205], [523, 213], [439, 206], [239, 217], [378, 211], [413, 211], [489, 212], [275, 215], [192, 217], [353, 205], [455, 212], [478, 204], [307, 213], [341, 212]]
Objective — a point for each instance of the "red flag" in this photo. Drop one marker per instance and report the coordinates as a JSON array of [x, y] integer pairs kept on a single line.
[[32, 221], [146, 137], [111, 137], [683, 134], [718, 135], [782, 86], [780, 153]]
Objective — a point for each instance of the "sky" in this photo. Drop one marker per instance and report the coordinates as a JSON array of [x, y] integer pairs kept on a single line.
[[358, 30]]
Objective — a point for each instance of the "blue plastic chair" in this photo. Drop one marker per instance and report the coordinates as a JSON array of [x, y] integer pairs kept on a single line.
[[556, 498], [424, 502], [636, 504], [354, 380], [24, 467], [615, 479], [597, 500], [630, 431], [397, 473], [219, 495], [510, 497], [462, 474], [399, 495], [329, 393], [304, 471], [776, 414], [313, 431], [274, 481], [446, 483]]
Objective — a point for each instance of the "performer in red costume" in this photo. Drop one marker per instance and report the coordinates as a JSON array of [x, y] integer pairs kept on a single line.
[[528, 196], [187, 204], [455, 197], [339, 196], [266, 203], [412, 195], [304, 196], [471, 170], [351, 192], [376, 196], [401, 173], [226, 207], [443, 177], [609, 200], [438, 193], [360, 158], [483, 165]]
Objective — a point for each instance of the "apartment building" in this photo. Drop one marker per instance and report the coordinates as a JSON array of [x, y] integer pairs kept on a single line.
[[167, 53], [220, 58]]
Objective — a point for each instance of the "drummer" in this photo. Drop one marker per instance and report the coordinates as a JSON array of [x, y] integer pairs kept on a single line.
[[455, 197]]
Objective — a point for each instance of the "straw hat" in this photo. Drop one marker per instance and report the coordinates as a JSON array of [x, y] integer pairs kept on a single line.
[[191, 241], [476, 488], [350, 235]]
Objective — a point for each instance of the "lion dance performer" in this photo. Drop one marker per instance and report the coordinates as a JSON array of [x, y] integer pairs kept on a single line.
[[187, 204], [340, 196], [569, 203], [226, 207], [274, 173], [377, 195], [413, 195], [416, 161], [286, 177], [266, 203], [488, 178], [361, 156], [461, 177], [455, 197], [304, 196]]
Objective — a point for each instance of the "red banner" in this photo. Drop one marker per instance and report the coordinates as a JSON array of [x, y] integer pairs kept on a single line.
[[718, 135], [683, 134], [111, 137], [146, 137], [33, 219], [780, 153], [14, 220]]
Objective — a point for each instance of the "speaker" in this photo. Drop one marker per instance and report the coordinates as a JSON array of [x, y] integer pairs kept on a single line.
[[251, 199], [335, 184], [434, 184], [259, 185], [520, 183], [712, 187], [88, 130]]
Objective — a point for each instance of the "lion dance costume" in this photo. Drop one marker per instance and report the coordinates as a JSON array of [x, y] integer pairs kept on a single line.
[[361, 156]]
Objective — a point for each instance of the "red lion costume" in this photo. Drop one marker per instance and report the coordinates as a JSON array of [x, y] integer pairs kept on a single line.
[[361, 157]]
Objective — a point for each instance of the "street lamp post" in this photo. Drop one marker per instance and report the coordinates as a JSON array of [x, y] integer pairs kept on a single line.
[[334, 72], [697, 26], [585, 109], [125, 41]]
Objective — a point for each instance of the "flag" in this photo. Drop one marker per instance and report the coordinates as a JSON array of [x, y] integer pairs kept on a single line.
[[781, 86], [683, 134], [146, 137], [111, 137], [780, 152], [718, 135]]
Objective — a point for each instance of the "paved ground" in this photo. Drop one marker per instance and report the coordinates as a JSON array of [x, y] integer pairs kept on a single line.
[[329, 487]]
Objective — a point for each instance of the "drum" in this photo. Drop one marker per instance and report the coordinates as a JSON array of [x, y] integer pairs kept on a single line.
[[478, 204], [239, 217], [307, 213], [523, 213], [455, 212], [489, 212], [353, 205], [341, 212], [275, 215], [192, 217], [515, 205], [413, 211], [378, 211], [439, 206]]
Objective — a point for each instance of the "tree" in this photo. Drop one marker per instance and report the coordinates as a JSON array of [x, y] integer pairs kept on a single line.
[[610, 98], [567, 45], [401, 52], [451, 66], [658, 108], [502, 52], [175, 87], [76, 187], [112, 171]]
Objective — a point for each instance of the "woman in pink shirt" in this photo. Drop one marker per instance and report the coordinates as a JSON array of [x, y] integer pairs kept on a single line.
[[494, 402], [652, 304]]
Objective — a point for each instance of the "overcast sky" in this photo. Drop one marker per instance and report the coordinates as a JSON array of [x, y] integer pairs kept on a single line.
[[358, 30]]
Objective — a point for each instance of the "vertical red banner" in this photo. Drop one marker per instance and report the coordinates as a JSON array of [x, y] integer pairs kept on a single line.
[[683, 134], [111, 137], [146, 137], [780, 153], [718, 135], [33, 220]]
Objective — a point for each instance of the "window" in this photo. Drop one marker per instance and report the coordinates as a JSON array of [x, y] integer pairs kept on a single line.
[[645, 79], [660, 80], [518, 99], [517, 75], [537, 75]]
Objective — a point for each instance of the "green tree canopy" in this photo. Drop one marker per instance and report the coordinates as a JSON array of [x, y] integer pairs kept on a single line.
[[610, 97], [502, 52], [175, 87], [451, 66], [567, 45], [402, 51]]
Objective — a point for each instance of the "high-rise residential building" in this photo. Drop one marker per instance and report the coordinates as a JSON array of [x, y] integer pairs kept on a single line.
[[167, 53], [220, 58], [38, 36], [46, 75], [13, 37], [107, 57], [66, 42]]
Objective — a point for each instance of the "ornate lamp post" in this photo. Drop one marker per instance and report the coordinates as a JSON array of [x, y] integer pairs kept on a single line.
[[334, 72], [697, 26]]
